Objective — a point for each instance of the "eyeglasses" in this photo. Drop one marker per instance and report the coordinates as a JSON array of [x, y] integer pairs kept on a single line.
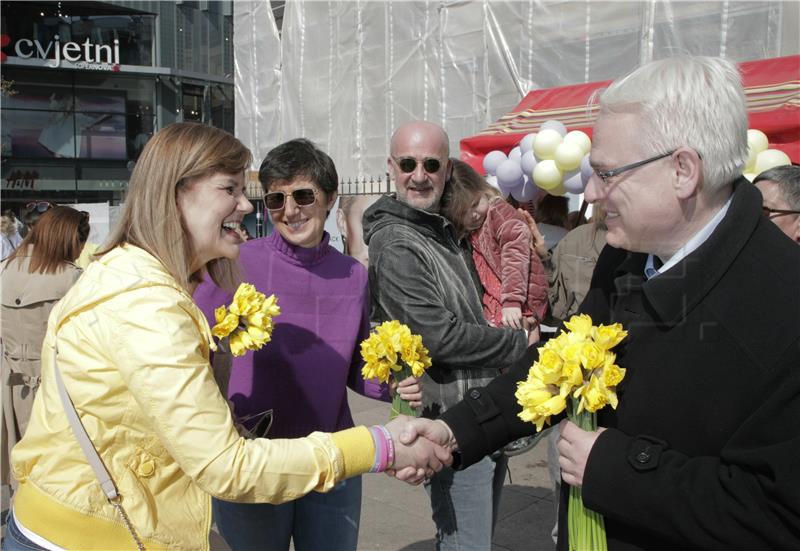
[[774, 213], [409, 164], [606, 175], [304, 197], [39, 206]]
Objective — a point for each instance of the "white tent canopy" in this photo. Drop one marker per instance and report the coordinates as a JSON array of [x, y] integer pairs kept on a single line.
[[345, 73]]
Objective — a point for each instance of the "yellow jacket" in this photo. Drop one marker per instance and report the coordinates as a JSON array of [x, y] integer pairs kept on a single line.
[[133, 353]]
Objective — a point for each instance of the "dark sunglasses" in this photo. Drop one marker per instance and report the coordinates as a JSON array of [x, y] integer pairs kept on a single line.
[[774, 213], [276, 200], [40, 206], [409, 164]]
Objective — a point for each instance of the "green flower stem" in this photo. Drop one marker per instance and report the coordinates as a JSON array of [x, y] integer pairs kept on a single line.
[[586, 528], [400, 406]]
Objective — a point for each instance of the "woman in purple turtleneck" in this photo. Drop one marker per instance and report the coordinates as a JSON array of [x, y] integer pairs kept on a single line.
[[302, 375]]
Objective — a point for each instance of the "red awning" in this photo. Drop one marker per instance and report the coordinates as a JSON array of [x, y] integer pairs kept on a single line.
[[772, 87]]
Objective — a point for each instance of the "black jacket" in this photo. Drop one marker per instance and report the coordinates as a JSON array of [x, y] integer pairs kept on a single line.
[[704, 449], [421, 276]]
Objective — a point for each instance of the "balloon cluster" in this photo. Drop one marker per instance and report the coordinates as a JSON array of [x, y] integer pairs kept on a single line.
[[759, 157], [552, 159]]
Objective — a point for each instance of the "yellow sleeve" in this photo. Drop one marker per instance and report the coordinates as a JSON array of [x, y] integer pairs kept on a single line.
[[358, 450], [161, 356]]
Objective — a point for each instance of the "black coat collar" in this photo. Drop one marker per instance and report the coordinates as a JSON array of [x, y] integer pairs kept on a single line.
[[676, 292]]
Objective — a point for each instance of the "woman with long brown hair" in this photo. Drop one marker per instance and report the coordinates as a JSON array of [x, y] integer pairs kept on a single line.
[[129, 436], [34, 277]]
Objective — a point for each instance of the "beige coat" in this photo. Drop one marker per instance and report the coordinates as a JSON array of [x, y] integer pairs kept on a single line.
[[26, 303]]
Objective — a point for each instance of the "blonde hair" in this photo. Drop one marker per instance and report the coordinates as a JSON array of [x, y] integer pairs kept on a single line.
[[179, 154], [461, 192]]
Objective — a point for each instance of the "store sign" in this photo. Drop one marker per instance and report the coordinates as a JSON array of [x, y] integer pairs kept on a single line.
[[19, 179], [84, 55]]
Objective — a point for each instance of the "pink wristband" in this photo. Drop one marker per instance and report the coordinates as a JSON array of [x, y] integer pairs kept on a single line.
[[389, 446], [381, 450]]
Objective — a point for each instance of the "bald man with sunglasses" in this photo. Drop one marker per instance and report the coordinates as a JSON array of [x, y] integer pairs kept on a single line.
[[422, 275]]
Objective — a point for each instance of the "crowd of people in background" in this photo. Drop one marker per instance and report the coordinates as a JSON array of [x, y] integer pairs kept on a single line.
[[133, 398]]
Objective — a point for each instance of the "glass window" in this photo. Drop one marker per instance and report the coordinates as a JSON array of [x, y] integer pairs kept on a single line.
[[38, 134]]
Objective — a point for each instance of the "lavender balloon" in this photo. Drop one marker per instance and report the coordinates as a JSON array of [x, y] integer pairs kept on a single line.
[[527, 143], [492, 160], [526, 192], [586, 169], [515, 154], [573, 182], [558, 126], [528, 162], [509, 173]]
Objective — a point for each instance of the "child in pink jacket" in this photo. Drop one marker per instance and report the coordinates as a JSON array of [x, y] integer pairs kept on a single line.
[[513, 278]]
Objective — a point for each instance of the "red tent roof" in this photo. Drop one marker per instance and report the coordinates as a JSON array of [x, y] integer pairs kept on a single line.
[[772, 88]]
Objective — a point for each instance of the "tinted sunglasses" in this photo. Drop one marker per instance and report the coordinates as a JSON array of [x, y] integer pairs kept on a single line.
[[409, 164], [39, 206], [276, 200]]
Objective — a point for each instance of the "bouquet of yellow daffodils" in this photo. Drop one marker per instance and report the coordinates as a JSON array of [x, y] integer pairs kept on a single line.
[[580, 364], [392, 350], [247, 321]]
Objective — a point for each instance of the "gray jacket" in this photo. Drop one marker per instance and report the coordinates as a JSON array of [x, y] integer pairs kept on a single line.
[[420, 275]]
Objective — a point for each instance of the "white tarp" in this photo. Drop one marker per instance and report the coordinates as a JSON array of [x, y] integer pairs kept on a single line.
[[345, 73]]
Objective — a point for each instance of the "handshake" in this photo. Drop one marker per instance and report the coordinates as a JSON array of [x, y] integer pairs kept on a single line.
[[422, 447]]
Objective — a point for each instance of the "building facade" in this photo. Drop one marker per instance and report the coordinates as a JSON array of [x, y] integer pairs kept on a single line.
[[85, 85]]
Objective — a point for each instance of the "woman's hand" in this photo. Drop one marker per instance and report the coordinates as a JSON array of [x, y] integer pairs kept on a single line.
[[409, 389]]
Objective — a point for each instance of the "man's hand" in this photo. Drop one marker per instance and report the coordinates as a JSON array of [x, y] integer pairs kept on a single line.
[[416, 459], [512, 317], [409, 389], [574, 445], [537, 239]]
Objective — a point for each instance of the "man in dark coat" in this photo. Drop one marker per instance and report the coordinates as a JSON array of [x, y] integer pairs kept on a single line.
[[702, 450]]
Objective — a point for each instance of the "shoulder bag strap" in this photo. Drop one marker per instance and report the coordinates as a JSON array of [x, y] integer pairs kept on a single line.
[[99, 468]]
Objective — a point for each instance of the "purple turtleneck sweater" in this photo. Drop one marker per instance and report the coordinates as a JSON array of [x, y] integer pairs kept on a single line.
[[303, 373]]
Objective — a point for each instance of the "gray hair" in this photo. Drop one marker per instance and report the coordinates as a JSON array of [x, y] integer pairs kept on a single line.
[[691, 101], [788, 180]]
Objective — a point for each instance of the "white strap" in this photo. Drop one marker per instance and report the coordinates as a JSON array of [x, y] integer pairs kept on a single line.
[[100, 471]]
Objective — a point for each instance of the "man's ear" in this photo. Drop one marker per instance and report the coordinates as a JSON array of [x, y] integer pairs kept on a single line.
[[688, 167], [796, 235]]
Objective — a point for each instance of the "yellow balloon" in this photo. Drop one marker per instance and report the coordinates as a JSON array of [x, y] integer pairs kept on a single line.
[[770, 159], [757, 140], [750, 166], [568, 156], [546, 174], [580, 139], [545, 144], [558, 190], [749, 175]]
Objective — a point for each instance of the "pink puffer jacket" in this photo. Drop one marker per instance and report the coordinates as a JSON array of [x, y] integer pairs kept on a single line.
[[511, 272]]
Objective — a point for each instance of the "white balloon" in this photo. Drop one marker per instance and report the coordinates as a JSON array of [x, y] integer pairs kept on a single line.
[[770, 158], [580, 139], [546, 143], [515, 154], [757, 140], [573, 183], [508, 173], [492, 160], [528, 163], [507, 190], [526, 192], [527, 142], [553, 124]]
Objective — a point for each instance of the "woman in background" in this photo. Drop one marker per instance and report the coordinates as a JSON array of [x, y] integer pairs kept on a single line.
[[34, 277]]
